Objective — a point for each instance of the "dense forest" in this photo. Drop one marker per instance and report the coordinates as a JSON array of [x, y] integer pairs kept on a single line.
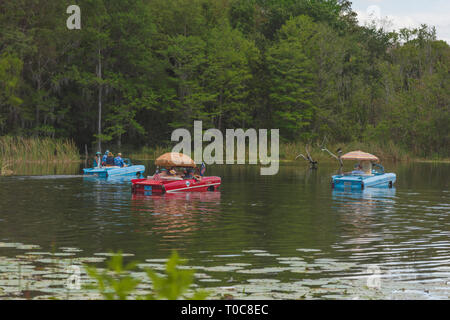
[[138, 69]]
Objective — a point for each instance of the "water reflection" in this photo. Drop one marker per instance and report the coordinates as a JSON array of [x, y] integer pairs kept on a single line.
[[108, 180], [275, 236], [361, 215], [45, 168], [175, 214], [365, 201]]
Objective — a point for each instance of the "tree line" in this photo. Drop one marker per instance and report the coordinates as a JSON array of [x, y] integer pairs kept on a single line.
[[138, 69]]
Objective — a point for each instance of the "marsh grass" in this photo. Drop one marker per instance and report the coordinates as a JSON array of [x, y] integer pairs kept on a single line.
[[41, 168], [290, 150], [386, 152], [22, 149], [5, 168], [147, 153]]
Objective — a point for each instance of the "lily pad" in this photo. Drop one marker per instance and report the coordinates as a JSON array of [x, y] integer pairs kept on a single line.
[[222, 268], [263, 270]]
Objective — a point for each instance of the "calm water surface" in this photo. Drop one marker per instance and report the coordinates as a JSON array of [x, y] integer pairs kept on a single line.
[[287, 236]]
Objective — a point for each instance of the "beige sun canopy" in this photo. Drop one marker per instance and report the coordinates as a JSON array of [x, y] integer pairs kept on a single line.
[[174, 159], [364, 158], [360, 156]]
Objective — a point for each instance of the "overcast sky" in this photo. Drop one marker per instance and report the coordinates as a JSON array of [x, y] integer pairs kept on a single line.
[[407, 13]]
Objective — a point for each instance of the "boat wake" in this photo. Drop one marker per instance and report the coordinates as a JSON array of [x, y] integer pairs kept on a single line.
[[48, 177]]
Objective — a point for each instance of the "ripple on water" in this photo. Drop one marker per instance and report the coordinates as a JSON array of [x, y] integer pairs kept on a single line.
[[292, 238]]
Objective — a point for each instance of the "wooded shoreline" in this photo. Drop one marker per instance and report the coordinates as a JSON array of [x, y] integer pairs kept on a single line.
[[139, 69], [47, 150]]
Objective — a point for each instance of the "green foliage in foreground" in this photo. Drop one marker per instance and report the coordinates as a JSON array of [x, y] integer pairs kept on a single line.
[[117, 283]]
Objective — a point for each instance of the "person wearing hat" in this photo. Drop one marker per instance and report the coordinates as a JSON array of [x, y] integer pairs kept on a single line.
[[172, 172], [98, 160], [162, 172], [118, 161], [110, 160], [104, 158]]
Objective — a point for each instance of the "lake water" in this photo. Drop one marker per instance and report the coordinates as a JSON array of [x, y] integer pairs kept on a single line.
[[288, 236]]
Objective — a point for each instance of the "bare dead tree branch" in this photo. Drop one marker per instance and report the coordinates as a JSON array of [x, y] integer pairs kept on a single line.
[[323, 147], [309, 154], [312, 163], [337, 157], [323, 143], [331, 153], [300, 155]]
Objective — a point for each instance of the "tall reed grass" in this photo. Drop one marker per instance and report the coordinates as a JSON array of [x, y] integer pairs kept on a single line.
[[5, 168], [22, 149], [147, 153]]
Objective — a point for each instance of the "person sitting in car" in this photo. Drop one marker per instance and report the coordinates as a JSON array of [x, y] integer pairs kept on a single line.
[[189, 173], [104, 158], [110, 160], [98, 160], [118, 161], [172, 172]]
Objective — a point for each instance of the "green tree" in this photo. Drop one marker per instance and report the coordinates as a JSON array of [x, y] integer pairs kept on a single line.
[[227, 77], [10, 69], [291, 82]]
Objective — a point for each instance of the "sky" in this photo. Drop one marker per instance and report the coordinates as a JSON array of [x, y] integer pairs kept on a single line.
[[406, 13]]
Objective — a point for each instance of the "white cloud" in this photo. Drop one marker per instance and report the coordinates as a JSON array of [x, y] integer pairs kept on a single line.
[[395, 22]]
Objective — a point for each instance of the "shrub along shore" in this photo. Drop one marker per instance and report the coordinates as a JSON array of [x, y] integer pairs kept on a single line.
[[21, 150], [289, 151]]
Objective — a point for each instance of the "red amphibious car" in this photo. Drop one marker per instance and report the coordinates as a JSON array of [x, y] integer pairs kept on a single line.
[[169, 178]]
